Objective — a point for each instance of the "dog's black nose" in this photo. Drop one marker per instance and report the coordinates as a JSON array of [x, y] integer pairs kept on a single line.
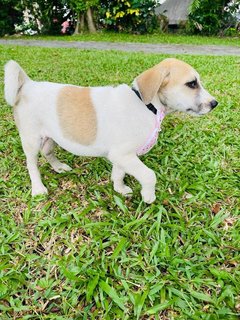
[[213, 104]]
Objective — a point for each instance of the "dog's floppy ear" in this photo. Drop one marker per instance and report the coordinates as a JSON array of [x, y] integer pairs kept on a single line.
[[150, 81]]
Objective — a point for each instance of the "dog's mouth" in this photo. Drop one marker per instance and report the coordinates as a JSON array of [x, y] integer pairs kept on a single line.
[[203, 108], [193, 112], [199, 112]]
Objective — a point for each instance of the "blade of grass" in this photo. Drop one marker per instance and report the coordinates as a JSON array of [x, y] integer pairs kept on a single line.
[[111, 292]]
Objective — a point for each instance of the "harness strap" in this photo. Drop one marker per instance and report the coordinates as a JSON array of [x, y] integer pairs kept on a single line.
[[150, 106]]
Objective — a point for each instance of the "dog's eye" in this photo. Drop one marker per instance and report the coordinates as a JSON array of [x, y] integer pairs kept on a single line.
[[192, 84]]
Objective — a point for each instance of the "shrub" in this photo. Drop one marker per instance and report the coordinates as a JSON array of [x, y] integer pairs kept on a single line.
[[208, 17], [9, 16], [129, 15], [46, 16]]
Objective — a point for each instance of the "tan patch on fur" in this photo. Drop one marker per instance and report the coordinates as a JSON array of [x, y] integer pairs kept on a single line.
[[77, 115], [180, 71]]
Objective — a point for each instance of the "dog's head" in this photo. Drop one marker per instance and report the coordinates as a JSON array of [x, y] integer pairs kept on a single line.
[[178, 87]]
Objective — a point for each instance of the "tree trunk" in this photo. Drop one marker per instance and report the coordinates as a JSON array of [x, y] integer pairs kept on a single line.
[[91, 25], [80, 24]]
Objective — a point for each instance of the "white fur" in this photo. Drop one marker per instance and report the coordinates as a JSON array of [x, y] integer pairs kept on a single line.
[[123, 125]]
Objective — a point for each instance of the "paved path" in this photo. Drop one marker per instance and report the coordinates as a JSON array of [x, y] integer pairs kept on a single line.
[[133, 47]]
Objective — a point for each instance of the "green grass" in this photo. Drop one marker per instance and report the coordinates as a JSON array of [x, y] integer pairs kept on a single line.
[[168, 38], [85, 252]]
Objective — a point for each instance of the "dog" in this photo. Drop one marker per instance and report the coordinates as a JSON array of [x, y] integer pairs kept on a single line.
[[119, 123]]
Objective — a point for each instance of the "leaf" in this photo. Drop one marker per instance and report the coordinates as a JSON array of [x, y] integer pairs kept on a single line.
[[154, 250], [201, 296], [120, 204], [3, 289], [220, 274], [71, 273], [111, 292], [197, 187], [119, 248], [156, 288], [139, 300], [179, 294], [91, 286], [160, 307], [219, 218]]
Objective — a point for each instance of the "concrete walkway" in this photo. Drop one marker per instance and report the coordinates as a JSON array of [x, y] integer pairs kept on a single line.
[[130, 47]]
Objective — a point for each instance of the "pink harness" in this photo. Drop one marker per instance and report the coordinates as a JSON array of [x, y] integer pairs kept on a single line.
[[152, 139]]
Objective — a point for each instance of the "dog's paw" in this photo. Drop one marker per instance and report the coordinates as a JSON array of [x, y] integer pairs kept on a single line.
[[39, 190], [124, 190], [127, 191], [148, 197], [61, 167]]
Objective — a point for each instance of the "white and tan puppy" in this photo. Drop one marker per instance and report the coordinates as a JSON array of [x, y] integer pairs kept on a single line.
[[118, 123]]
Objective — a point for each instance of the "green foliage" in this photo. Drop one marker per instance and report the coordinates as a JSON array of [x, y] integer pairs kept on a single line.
[[208, 17], [85, 252], [129, 15], [81, 6], [78, 6], [10, 15], [133, 16]]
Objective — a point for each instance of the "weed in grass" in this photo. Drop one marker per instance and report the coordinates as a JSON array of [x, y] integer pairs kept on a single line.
[[85, 252]]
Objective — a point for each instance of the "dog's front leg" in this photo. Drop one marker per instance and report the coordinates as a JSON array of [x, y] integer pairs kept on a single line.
[[132, 165], [117, 178]]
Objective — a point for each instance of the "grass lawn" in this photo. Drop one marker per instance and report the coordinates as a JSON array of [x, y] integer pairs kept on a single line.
[[85, 252], [169, 38]]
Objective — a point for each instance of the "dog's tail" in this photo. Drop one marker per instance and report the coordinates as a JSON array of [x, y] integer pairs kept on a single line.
[[14, 80]]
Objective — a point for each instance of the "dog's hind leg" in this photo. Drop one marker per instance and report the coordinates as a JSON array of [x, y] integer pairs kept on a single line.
[[117, 178], [47, 149], [31, 147]]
